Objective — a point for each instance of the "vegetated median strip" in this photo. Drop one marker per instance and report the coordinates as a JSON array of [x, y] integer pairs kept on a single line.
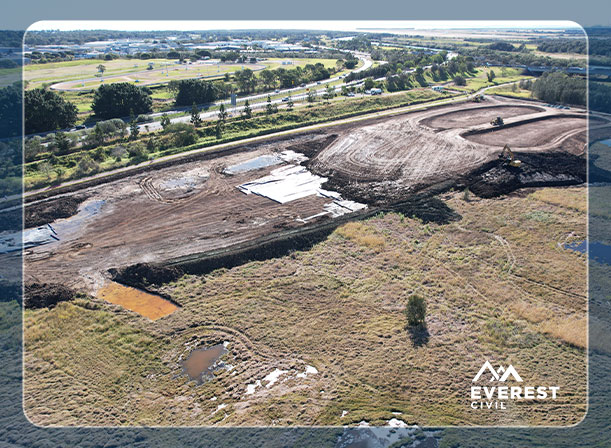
[[351, 118]]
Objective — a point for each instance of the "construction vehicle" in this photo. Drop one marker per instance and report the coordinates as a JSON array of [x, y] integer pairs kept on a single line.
[[508, 156], [498, 121]]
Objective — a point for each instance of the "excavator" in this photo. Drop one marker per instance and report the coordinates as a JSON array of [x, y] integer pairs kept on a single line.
[[498, 121], [509, 158]]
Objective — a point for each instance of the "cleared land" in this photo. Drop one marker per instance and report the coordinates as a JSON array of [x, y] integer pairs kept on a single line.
[[493, 272]]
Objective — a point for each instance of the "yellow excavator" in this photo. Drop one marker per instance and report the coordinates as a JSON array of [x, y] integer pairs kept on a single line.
[[509, 158], [498, 121]]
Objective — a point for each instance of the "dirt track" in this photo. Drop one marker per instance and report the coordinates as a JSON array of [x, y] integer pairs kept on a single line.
[[193, 207]]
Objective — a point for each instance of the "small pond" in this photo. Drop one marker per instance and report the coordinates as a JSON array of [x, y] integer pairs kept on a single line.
[[201, 363], [598, 251]]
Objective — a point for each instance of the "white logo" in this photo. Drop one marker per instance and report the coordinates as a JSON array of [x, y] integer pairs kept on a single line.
[[496, 397], [496, 374]]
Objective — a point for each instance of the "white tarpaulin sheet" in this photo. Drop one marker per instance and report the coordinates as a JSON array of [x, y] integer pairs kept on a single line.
[[293, 182]]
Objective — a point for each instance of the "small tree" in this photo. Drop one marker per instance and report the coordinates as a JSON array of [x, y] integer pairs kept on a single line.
[[133, 127], [290, 104], [165, 121], [218, 129], [46, 169], [311, 96], [222, 113], [269, 108], [415, 311], [491, 75], [196, 120], [101, 69], [62, 142], [247, 111], [460, 80]]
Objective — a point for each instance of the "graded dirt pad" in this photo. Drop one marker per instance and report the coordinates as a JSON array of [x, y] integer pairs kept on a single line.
[[472, 116], [530, 134]]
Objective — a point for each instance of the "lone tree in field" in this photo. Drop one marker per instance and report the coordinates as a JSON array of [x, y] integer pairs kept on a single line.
[[415, 311], [101, 68]]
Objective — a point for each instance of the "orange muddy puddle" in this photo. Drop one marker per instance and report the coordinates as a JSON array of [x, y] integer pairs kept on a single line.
[[143, 303]]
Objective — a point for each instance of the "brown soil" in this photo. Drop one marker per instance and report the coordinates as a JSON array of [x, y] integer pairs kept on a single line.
[[530, 134], [471, 116], [382, 162], [46, 295]]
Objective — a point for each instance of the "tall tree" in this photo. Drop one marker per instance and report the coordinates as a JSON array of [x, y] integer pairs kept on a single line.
[[45, 110], [268, 78], [165, 121], [196, 91], [119, 99], [133, 127]]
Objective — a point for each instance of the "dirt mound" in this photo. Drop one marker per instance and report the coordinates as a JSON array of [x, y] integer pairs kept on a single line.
[[143, 275], [428, 209], [311, 148], [48, 211], [537, 170], [46, 295]]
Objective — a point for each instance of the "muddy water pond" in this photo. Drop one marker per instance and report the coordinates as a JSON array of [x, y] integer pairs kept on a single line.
[[201, 363], [144, 303]]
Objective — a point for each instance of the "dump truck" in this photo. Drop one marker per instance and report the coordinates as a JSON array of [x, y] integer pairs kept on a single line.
[[509, 158]]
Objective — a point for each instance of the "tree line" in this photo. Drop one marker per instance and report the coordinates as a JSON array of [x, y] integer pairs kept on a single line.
[[558, 87]]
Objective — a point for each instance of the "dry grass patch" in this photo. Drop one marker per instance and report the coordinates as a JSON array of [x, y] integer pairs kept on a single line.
[[572, 198], [572, 330], [530, 312], [362, 234]]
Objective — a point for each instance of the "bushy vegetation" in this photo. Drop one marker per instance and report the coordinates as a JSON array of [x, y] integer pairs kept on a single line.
[[562, 46]]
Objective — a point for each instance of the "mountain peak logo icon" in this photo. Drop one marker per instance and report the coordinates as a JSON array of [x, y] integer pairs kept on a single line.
[[501, 374]]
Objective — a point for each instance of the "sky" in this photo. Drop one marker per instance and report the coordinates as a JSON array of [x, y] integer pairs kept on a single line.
[[192, 25]]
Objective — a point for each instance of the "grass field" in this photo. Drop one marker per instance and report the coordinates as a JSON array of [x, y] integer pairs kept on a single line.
[[130, 70], [480, 80], [497, 284]]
